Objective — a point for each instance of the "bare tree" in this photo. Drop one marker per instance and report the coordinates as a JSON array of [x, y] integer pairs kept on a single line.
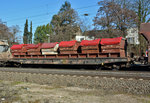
[[14, 35], [4, 31], [9, 34], [142, 8], [113, 16]]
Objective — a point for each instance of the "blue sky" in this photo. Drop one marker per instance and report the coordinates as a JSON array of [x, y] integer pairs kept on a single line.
[[40, 12]]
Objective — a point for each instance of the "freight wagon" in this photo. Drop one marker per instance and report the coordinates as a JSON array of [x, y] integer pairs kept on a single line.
[[99, 52]]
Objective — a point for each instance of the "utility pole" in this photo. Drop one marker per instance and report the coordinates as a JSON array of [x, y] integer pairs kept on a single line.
[[48, 35], [85, 17]]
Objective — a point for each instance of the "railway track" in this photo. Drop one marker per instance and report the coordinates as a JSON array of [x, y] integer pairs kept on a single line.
[[93, 73]]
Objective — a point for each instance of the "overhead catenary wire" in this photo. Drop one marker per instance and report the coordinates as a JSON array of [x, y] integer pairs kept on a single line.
[[44, 14], [48, 21], [31, 8]]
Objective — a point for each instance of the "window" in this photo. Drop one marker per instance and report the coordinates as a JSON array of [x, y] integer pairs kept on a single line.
[[4, 48]]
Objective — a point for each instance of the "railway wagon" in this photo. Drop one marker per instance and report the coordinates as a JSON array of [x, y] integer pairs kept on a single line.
[[145, 31], [99, 52]]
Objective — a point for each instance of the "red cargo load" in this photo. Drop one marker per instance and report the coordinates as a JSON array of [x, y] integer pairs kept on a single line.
[[90, 51], [67, 43], [90, 42], [17, 47], [110, 41], [69, 52], [48, 45], [32, 46]]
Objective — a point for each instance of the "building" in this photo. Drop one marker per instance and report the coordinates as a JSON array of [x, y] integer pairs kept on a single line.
[[133, 36], [80, 38]]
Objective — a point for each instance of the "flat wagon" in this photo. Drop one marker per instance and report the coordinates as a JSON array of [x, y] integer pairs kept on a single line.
[[100, 52]]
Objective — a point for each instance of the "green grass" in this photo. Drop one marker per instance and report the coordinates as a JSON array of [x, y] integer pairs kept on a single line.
[[16, 83]]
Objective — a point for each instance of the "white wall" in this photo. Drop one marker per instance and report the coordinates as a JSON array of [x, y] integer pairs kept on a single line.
[[80, 38], [132, 36]]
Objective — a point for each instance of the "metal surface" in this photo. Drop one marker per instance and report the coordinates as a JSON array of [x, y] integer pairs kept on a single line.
[[90, 49], [93, 47], [70, 61], [68, 52]]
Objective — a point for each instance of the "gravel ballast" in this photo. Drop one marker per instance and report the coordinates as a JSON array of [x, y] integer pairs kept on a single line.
[[117, 85]]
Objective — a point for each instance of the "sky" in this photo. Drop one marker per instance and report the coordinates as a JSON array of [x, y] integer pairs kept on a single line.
[[40, 12]]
